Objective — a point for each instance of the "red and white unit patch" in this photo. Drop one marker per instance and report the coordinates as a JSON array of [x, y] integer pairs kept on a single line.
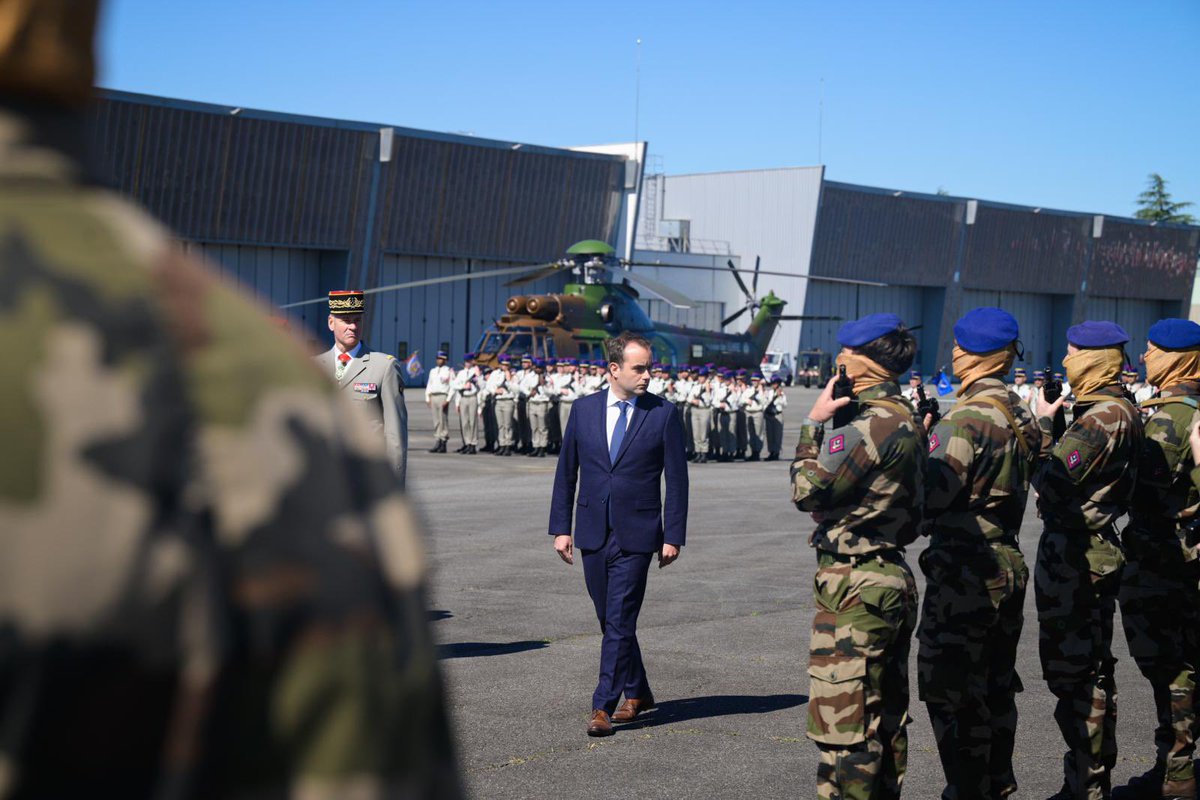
[[837, 444], [934, 442]]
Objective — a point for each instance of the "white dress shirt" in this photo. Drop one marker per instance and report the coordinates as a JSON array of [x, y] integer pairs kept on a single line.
[[613, 413]]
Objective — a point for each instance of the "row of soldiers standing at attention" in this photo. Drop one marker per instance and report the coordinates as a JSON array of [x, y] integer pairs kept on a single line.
[[887, 476], [729, 414]]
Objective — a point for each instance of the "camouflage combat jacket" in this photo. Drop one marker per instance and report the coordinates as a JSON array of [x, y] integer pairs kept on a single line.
[[209, 586], [1087, 481], [977, 478], [865, 478], [1166, 498]]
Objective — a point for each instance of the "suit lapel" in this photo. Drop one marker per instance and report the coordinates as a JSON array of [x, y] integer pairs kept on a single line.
[[639, 416], [356, 368]]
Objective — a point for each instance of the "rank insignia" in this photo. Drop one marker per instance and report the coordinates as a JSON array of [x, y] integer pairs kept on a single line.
[[1074, 459], [837, 444], [366, 387], [934, 442]]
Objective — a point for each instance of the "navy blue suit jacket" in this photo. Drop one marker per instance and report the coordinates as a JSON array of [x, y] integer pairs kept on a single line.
[[643, 515]]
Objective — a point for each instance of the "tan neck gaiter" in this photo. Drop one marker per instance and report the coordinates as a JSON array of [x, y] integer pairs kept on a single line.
[[1092, 369], [863, 371], [970, 367], [1166, 368]]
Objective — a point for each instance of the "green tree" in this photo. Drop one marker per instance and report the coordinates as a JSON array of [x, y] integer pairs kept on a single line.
[[1156, 204]]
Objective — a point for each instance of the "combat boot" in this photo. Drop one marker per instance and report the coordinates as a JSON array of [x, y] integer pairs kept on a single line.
[[437, 447], [772, 457], [471, 450], [1145, 786]]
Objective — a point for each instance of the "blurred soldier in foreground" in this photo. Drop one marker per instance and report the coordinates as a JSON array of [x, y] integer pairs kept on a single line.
[[981, 457], [210, 586], [863, 481], [1085, 485], [1160, 605], [371, 378]]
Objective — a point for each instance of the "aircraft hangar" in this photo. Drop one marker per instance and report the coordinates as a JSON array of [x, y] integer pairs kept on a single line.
[[294, 206]]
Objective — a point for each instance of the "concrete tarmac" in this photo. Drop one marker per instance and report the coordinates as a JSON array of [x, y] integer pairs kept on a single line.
[[724, 633]]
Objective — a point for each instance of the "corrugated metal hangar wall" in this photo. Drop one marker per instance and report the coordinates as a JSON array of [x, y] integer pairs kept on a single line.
[[295, 206], [938, 256]]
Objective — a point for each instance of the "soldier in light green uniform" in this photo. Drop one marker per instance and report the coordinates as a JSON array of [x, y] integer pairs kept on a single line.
[[1084, 485], [210, 586], [863, 483], [1160, 605], [981, 457]]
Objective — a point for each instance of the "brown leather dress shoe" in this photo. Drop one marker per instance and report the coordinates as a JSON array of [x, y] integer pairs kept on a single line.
[[631, 708], [600, 726]]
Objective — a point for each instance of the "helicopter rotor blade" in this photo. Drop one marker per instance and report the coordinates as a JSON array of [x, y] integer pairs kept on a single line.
[[819, 278], [395, 287], [734, 316], [675, 298], [739, 280], [754, 283], [810, 318], [545, 272]]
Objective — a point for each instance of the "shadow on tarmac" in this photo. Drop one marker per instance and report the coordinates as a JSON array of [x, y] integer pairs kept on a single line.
[[479, 649], [436, 614], [722, 705]]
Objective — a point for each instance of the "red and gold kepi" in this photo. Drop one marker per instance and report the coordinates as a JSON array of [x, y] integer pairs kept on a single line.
[[344, 302]]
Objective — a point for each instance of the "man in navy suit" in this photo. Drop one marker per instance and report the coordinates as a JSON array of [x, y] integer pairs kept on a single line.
[[618, 445]]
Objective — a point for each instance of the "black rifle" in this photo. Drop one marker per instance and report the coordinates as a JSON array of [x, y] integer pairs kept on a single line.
[[928, 405], [1051, 391], [844, 387]]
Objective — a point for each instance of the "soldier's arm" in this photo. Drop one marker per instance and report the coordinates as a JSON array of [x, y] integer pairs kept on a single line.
[[1075, 455], [395, 420], [948, 470], [826, 468]]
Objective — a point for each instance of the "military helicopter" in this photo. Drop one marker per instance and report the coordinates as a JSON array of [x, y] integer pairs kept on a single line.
[[603, 301]]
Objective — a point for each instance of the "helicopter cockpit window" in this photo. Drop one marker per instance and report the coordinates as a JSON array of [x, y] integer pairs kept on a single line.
[[492, 342], [548, 346], [521, 344], [585, 349]]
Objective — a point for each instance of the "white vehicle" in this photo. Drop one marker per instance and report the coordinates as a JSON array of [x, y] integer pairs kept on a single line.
[[778, 363]]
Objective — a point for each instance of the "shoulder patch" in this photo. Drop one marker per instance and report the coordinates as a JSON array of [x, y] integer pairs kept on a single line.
[[837, 444], [934, 442], [1074, 459]]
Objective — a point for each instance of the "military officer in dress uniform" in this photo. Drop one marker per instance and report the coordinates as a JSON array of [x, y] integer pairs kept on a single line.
[[1021, 387], [700, 401], [563, 387], [368, 376], [914, 382], [524, 381], [553, 429], [437, 397], [754, 405], [465, 387], [538, 405]]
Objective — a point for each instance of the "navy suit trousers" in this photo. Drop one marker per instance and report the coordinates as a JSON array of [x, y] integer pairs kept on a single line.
[[616, 581]]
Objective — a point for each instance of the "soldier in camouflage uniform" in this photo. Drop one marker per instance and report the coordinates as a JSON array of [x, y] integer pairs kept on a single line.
[[981, 457], [863, 483], [1160, 605], [1084, 485], [209, 586]]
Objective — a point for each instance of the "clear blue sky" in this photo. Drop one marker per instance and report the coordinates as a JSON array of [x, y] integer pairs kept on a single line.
[[1056, 104]]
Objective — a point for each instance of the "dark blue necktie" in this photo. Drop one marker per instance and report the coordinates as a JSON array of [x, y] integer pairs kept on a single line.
[[618, 432]]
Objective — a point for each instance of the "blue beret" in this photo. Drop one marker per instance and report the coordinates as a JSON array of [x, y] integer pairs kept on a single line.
[[468, 356], [914, 374], [1058, 375], [505, 358], [537, 362], [756, 376], [702, 371], [1097, 334], [1175, 334], [442, 354], [867, 329], [776, 379], [1019, 371], [742, 372], [983, 330], [526, 357], [1037, 373]]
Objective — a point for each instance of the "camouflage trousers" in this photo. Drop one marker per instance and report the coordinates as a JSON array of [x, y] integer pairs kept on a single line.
[[1076, 580], [858, 670], [1160, 611], [971, 620]]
